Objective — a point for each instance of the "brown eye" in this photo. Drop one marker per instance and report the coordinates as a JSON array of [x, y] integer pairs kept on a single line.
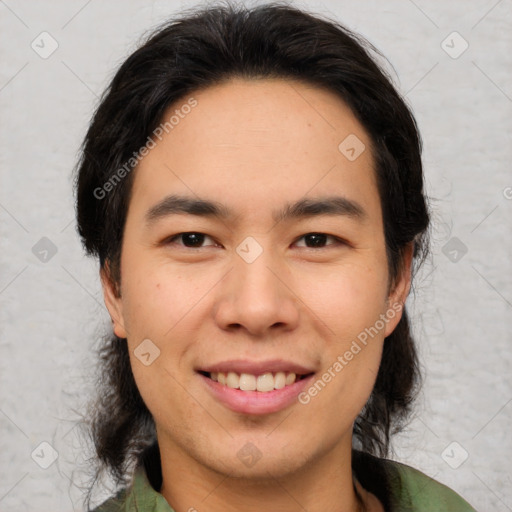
[[316, 240], [190, 239]]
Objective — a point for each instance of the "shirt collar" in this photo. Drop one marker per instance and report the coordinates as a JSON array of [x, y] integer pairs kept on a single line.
[[143, 498]]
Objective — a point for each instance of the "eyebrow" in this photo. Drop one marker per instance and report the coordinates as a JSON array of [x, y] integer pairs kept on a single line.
[[331, 205]]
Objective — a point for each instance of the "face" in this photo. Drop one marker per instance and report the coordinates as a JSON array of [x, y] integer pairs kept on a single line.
[[254, 257]]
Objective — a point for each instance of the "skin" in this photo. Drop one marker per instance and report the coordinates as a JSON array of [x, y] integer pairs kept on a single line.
[[255, 146]]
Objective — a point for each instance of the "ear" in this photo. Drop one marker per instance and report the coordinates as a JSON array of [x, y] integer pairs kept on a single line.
[[113, 301], [399, 290]]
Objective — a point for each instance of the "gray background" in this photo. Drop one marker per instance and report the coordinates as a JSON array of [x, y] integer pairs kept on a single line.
[[51, 310]]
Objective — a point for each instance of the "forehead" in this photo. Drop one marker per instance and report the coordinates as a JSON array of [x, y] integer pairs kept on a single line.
[[259, 141]]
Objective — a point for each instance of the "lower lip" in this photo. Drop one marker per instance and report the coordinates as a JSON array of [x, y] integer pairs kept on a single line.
[[256, 402]]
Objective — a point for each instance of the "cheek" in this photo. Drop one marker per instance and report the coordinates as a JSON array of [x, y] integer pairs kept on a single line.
[[156, 298], [348, 298], [159, 305], [350, 304]]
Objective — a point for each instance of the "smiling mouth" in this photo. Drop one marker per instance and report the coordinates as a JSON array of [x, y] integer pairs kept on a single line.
[[263, 383]]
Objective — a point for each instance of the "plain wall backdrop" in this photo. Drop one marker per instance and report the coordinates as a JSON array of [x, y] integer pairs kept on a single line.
[[453, 63]]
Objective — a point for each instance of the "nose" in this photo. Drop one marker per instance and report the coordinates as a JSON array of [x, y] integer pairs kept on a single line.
[[256, 298]]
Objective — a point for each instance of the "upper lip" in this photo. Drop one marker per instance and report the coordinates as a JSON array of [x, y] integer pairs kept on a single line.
[[257, 367]]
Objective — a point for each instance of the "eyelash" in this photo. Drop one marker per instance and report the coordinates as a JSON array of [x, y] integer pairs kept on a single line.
[[338, 241]]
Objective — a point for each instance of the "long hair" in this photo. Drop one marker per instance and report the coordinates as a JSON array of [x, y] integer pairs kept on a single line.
[[195, 51]]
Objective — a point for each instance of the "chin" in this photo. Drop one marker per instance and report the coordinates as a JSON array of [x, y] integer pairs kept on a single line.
[[259, 458], [257, 470]]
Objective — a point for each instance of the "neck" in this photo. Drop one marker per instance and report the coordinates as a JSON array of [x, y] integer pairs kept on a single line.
[[322, 485]]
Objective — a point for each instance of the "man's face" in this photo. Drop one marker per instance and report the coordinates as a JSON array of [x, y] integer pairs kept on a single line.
[[264, 286]]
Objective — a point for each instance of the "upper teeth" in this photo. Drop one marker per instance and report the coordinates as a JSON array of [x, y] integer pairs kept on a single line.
[[248, 382]]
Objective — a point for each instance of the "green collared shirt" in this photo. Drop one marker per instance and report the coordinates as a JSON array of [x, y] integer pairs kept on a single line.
[[412, 491]]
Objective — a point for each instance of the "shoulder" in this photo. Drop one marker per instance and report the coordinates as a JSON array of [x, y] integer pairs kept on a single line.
[[114, 504], [412, 490], [138, 497]]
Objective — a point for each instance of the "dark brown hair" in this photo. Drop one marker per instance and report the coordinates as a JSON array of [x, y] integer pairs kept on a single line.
[[198, 50]]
